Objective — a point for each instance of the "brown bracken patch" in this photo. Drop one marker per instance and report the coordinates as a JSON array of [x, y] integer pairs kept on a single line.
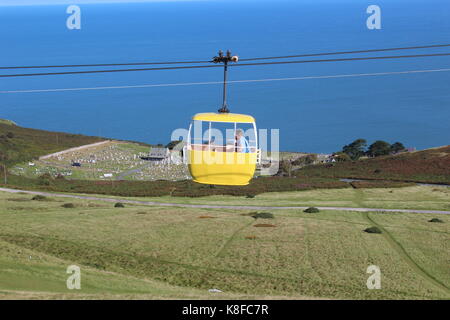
[[264, 225], [205, 217], [250, 237]]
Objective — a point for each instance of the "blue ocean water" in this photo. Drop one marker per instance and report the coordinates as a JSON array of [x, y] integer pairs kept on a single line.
[[315, 115]]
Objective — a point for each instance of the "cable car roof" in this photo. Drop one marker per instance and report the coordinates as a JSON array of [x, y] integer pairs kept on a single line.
[[224, 117]]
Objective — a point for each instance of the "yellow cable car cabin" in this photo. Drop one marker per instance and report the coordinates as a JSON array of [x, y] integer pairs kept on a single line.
[[222, 148]]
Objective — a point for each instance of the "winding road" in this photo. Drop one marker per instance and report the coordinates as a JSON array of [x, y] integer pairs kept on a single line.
[[209, 206]]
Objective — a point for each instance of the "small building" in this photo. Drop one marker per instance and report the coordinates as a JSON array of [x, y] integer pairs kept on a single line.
[[158, 154]]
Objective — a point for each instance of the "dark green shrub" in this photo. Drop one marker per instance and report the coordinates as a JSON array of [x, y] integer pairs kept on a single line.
[[38, 197], [119, 205], [311, 210], [262, 215], [372, 230], [250, 196], [68, 205], [436, 220]]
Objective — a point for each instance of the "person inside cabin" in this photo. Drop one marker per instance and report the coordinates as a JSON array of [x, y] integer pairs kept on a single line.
[[241, 142], [208, 144]]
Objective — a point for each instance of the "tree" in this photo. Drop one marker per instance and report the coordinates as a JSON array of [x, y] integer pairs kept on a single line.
[[355, 149], [285, 167], [397, 147], [379, 148]]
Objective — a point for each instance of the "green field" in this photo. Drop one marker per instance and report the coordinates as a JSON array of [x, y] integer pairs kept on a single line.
[[156, 253], [415, 197]]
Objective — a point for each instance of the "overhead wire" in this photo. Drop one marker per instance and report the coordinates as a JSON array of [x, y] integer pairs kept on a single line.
[[231, 65], [231, 81], [347, 52], [244, 59]]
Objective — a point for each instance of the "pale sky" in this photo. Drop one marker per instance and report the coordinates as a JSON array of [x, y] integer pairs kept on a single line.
[[48, 2]]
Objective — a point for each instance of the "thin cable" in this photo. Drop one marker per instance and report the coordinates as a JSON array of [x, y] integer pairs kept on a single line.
[[232, 81], [231, 65], [103, 65], [342, 59], [206, 61], [346, 52], [104, 71]]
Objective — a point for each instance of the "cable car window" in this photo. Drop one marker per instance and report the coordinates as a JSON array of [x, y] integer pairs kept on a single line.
[[196, 134], [221, 136], [247, 141]]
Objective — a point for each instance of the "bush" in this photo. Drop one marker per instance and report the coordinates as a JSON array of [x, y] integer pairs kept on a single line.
[[250, 196], [68, 205], [38, 197], [373, 230], [436, 220], [311, 210], [262, 215], [119, 205]]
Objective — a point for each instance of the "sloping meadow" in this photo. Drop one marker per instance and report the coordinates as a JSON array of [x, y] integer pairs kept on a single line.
[[323, 254]]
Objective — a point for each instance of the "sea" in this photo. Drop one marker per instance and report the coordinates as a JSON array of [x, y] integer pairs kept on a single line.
[[325, 106]]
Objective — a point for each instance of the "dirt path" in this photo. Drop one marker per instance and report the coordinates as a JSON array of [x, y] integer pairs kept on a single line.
[[209, 206], [74, 149]]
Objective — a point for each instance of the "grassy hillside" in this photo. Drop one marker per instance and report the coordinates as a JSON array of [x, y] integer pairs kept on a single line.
[[413, 197], [18, 144], [151, 252], [431, 165]]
